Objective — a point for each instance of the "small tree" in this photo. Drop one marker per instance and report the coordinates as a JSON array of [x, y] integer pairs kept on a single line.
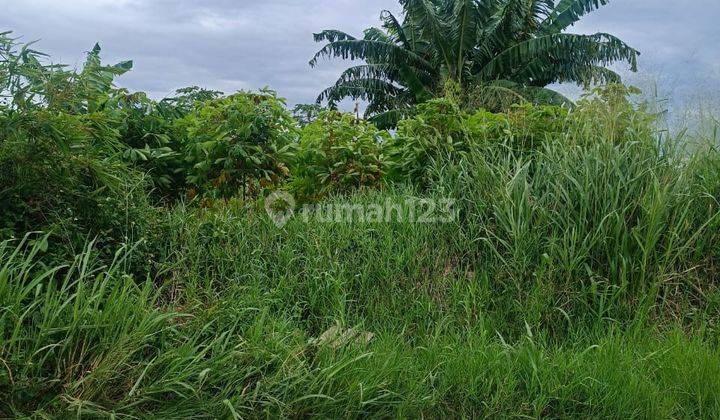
[[338, 153], [239, 143]]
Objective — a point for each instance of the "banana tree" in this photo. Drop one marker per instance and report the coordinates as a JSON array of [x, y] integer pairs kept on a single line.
[[516, 47]]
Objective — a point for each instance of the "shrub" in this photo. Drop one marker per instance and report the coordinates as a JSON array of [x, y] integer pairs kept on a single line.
[[523, 128], [609, 113], [440, 130], [239, 144], [149, 142], [53, 178], [437, 129], [338, 153], [60, 168]]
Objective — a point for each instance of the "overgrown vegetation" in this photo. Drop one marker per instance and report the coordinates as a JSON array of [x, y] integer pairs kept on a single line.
[[238, 143], [336, 153], [141, 277]]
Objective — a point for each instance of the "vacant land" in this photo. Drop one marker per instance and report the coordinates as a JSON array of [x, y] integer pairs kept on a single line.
[[568, 268]]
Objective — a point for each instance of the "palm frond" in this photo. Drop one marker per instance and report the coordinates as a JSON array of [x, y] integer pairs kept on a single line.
[[394, 28], [597, 49], [332, 35], [501, 28], [372, 51], [542, 72], [501, 95], [372, 71], [464, 33], [567, 13], [367, 89], [389, 119], [424, 15], [542, 9]]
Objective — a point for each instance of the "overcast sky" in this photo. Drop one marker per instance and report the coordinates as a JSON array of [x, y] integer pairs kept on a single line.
[[247, 44]]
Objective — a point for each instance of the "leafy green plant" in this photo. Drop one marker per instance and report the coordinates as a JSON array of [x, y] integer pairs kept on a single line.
[[151, 140], [528, 126], [150, 143], [307, 113], [338, 153], [437, 129], [239, 144], [610, 111]]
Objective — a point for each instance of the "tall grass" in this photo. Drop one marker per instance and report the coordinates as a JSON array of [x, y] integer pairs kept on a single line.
[[597, 230], [244, 349]]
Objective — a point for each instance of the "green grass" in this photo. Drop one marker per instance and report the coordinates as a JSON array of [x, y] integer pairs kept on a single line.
[[112, 346], [580, 280]]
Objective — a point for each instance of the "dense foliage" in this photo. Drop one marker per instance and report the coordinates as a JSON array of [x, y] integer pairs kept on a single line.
[[338, 153], [439, 130], [60, 142], [139, 276], [239, 143], [490, 48]]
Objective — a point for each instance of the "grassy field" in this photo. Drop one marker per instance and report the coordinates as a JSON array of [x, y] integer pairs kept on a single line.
[[490, 256], [578, 280]]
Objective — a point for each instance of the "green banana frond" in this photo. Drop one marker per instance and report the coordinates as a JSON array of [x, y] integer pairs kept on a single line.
[[597, 49], [372, 51], [501, 95], [367, 89], [332, 35], [541, 72], [389, 119], [567, 13], [394, 28], [432, 27], [464, 34]]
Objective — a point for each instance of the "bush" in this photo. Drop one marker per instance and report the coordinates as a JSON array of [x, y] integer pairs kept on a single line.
[[522, 128], [239, 144], [54, 178], [437, 130], [338, 153], [60, 168], [608, 112], [150, 145], [150, 139], [441, 131]]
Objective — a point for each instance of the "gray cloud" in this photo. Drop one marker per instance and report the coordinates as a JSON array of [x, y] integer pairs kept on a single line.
[[248, 44]]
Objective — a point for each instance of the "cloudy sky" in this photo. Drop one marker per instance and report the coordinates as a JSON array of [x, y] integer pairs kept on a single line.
[[247, 44]]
